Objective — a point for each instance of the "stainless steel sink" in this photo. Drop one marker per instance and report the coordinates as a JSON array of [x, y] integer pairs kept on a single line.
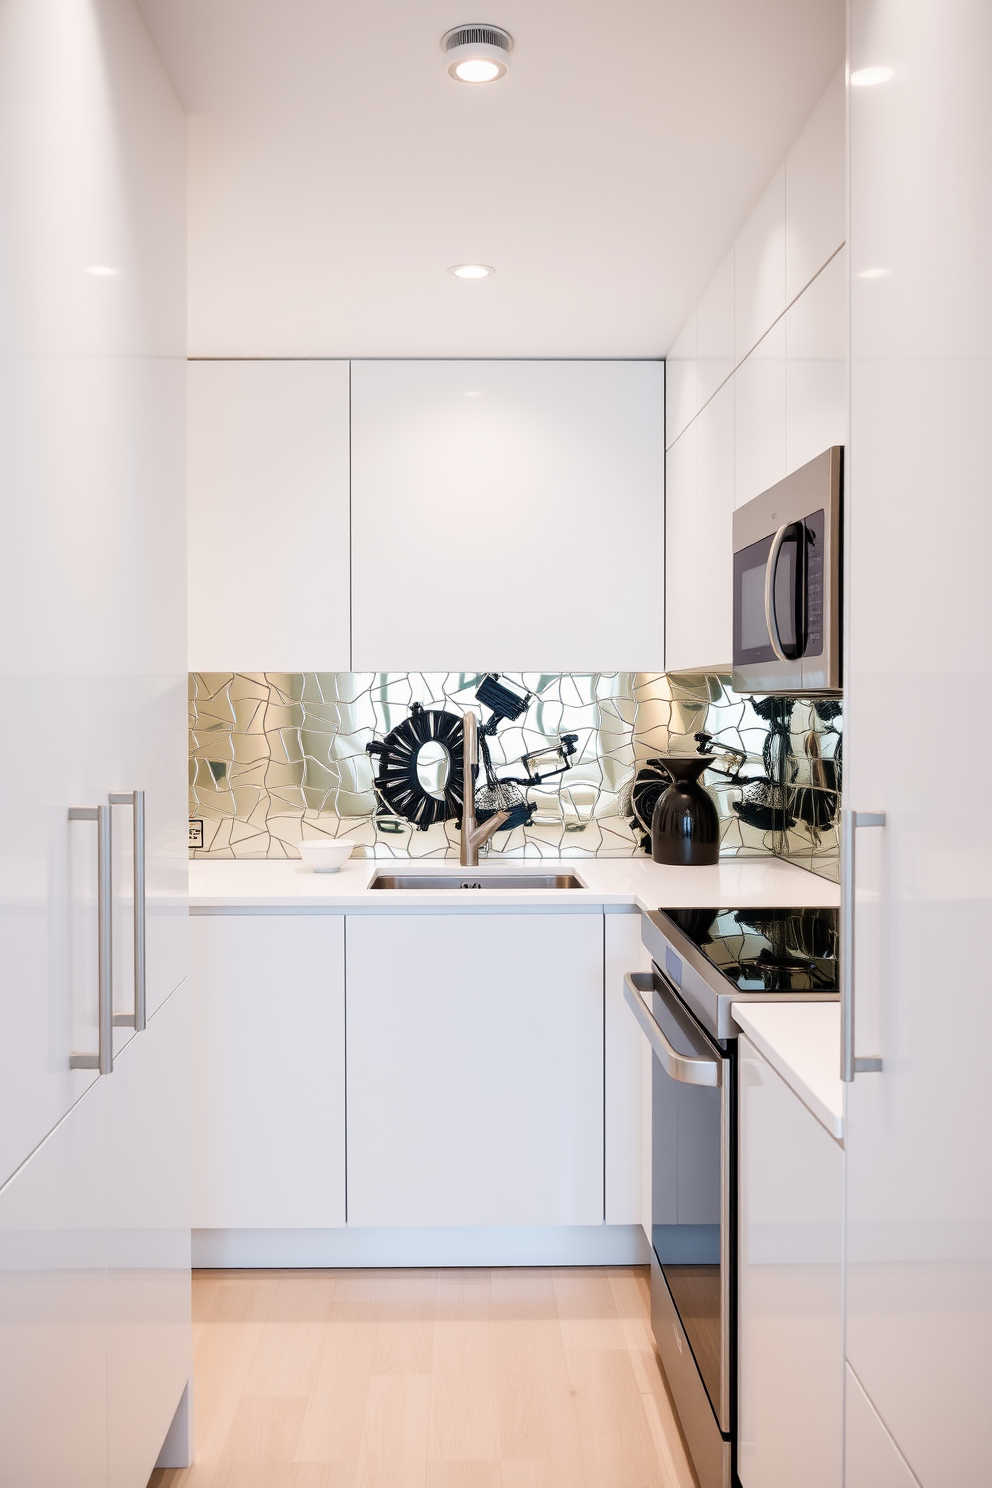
[[471, 878]]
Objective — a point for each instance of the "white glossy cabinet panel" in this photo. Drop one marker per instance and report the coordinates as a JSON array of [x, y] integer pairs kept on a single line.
[[681, 609], [269, 478], [267, 999], [759, 416], [759, 268], [482, 496], [918, 1134], [475, 1069], [872, 1458], [53, 1307], [92, 526], [681, 382], [713, 541], [790, 1316], [715, 331], [816, 412], [624, 1043], [148, 1242], [815, 190]]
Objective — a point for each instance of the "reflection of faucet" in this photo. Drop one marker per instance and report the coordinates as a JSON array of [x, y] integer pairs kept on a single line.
[[473, 836]]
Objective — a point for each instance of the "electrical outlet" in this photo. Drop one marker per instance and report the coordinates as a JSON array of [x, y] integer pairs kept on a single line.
[[195, 833]]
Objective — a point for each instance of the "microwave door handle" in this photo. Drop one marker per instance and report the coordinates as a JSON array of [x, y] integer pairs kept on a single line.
[[771, 570]]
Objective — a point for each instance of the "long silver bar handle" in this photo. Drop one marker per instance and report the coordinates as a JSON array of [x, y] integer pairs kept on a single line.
[[771, 568], [682, 1067], [850, 1065], [138, 1021], [104, 1060]]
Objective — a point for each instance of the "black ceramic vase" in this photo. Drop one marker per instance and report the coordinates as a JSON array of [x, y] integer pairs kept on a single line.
[[685, 828]]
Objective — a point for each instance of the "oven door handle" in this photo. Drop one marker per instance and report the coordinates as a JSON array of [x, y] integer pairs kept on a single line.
[[688, 1069], [771, 570]]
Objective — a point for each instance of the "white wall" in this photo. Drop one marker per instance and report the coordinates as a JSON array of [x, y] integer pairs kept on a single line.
[[756, 379]]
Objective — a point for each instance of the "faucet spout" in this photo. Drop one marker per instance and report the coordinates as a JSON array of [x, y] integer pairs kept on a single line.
[[474, 834]]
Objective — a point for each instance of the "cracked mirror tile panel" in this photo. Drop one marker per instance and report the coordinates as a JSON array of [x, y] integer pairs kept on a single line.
[[276, 758]]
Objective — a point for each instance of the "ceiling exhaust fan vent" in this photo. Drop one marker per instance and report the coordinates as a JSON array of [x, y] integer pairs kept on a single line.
[[477, 36]]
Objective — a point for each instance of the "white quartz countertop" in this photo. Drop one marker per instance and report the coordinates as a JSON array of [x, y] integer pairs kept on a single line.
[[801, 1041], [623, 883]]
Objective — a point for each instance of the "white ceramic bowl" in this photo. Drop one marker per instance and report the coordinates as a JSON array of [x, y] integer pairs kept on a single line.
[[325, 857]]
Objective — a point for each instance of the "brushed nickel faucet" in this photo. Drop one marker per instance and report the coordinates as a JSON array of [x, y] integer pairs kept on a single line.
[[473, 836]]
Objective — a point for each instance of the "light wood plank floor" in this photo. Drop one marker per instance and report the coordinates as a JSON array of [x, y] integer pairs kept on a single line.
[[428, 1379]]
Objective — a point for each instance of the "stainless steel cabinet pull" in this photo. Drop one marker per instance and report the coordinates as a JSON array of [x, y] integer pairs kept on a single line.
[[686, 1068], [771, 569], [849, 1064], [104, 1060], [136, 799]]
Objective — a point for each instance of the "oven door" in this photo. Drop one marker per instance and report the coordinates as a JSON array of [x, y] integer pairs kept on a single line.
[[692, 1218]]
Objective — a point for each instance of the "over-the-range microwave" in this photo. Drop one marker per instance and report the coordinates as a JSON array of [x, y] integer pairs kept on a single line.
[[787, 583]]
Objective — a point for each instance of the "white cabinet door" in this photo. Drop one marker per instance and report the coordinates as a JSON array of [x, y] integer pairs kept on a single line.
[[268, 1071], [622, 1066], [502, 513], [475, 1069], [92, 522], [148, 1242], [53, 1307], [269, 482], [918, 1138], [790, 1339], [680, 553]]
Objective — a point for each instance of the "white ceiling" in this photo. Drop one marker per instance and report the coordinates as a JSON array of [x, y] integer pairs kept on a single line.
[[336, 171]]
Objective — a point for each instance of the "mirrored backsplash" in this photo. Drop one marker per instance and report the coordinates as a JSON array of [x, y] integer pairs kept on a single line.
[[276, 758]]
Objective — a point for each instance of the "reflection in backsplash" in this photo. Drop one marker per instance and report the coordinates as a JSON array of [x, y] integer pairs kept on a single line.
[[277, 757]]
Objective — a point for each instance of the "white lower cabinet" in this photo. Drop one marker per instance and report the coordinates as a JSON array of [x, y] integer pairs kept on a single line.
[[268, 1071], [94, 1276], [149, 1358], [790, 1338], [475, 1069], [53, 1307]]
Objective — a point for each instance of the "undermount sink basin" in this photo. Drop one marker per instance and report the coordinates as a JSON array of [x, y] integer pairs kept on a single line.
[[471, 878]]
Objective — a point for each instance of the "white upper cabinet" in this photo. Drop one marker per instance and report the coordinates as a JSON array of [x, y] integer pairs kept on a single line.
[[757, 379], [715, 332], [681, 378], [816, 366], [815, 182], [759, 268], [508, 515], [269, 481]]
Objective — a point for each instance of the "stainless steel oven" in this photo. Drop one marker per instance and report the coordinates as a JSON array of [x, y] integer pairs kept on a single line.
[[692, 1211], [787, 581], [705, 961]]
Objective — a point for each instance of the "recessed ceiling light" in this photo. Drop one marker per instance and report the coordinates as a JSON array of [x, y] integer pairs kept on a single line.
[[471, 271], [473, 393], [873, 273], [476, 53], [102, 271], [867, 77]]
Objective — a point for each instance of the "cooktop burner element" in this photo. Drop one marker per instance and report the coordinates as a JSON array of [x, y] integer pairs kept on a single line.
[[766, 950]]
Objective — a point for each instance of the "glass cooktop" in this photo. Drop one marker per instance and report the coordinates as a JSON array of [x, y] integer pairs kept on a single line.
[[766, 950]]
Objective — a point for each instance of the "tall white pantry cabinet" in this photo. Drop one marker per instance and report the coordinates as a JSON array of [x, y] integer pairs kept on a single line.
[[918, 1131], [94, 1222]]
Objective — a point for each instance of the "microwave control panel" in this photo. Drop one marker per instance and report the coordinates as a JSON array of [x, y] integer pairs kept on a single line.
[[815, 543]]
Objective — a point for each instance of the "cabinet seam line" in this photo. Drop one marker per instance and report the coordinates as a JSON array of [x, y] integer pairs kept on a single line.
[[738, 365]]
